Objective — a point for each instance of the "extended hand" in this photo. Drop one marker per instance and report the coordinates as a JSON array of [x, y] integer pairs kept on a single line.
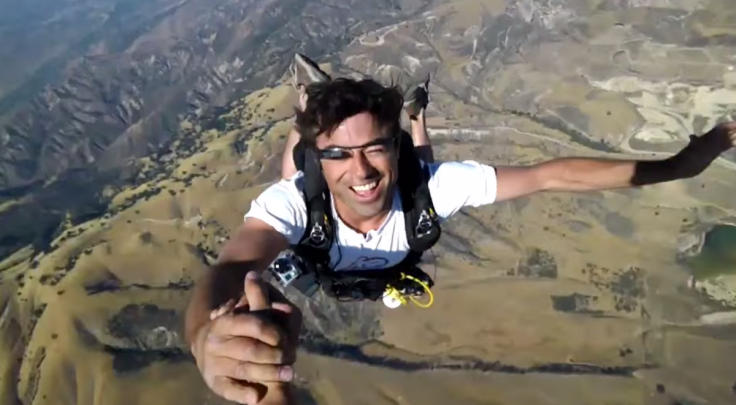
[[703, 150], [245, 353], [720, 139]]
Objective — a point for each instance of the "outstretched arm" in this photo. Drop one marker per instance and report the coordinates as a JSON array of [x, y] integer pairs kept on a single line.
[[253, 247], [588, 174]]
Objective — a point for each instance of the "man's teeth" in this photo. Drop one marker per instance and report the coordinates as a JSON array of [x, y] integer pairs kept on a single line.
[[366, 187]]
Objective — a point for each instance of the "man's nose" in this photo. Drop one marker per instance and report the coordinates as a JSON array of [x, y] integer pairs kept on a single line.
[[362, 167]]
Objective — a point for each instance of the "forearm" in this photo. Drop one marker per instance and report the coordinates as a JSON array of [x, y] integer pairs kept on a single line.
[[585, 174]]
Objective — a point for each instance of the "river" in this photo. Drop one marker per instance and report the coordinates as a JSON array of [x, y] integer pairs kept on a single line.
[[718, 255]]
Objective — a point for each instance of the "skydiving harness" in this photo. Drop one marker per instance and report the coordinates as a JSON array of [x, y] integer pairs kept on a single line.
[[306, 265]]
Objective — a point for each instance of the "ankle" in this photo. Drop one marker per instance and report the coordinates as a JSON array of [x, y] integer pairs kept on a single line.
[[418, 120]]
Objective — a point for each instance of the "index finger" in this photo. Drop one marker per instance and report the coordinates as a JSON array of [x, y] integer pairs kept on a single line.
[[282, 305], [731, 127], [256, 292], [275, 295], [728, 126]]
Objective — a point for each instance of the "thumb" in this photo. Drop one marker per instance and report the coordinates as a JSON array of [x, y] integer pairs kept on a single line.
[[256, 293]]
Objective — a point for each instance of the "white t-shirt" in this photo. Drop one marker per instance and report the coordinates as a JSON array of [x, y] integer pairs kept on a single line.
[[452, 185]]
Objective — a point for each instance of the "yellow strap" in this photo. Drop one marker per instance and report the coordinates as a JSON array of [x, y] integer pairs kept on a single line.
[[393, 292]]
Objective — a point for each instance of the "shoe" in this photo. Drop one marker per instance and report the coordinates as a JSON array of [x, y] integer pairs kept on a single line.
[[417, 99], [305, 71]]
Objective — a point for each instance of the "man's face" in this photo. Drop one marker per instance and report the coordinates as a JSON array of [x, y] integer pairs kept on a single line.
[[360, 165]]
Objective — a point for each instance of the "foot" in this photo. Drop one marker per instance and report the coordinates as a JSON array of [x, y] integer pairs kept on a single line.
[[305, 72], [416, 100]]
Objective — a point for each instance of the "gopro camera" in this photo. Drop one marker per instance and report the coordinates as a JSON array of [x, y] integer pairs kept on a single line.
[[290, 269]]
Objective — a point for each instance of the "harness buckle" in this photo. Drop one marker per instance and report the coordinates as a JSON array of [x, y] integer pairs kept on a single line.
[[318, 234], [424, 225]]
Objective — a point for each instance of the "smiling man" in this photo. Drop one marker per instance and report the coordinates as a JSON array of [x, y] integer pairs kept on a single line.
[[362, 160], [358, 215]]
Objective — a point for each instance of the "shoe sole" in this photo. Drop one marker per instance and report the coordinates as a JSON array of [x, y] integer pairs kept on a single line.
[[413, 96], [313, 73]]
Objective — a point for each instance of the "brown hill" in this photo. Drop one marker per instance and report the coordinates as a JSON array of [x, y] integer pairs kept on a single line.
[[557, 298]]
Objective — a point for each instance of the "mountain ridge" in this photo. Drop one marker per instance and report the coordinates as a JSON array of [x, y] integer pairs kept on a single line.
[[97, 262]]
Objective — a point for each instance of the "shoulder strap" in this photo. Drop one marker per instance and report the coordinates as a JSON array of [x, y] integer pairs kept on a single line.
[[422, 224], [318, 234]]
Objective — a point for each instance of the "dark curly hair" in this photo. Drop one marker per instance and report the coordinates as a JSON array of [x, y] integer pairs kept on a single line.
[[331, 102]]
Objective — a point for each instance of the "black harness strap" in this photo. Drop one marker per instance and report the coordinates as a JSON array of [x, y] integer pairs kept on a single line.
[[420, 218], [371, 284], [318, 236], [319, 222]]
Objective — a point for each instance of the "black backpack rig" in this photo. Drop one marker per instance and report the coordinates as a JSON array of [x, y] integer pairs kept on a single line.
[[307, 265]]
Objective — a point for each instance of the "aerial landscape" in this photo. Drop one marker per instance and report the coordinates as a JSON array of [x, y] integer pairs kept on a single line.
[[134, 135]]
